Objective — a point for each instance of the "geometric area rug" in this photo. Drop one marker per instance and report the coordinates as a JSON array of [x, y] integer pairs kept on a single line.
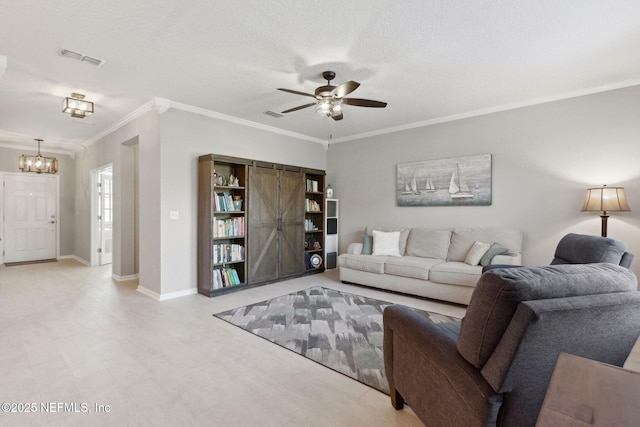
[[339, 330]]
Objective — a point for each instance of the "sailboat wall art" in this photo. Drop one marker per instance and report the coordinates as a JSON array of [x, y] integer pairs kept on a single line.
[[457, 181]]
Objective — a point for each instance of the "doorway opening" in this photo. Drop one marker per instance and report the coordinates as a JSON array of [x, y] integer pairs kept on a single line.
[[102, 215]]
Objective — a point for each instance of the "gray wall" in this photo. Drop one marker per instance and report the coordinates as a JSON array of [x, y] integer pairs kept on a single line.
[[544, 158], [185, 137], [66, 168], [166, 149], [118, 149]]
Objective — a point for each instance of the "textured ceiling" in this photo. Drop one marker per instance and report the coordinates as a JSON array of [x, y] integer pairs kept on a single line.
[[430, 60]]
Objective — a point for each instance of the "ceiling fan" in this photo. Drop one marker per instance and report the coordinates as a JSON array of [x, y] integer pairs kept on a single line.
[[329, 99]]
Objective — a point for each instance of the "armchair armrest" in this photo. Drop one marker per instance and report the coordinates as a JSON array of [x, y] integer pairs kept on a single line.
[[507, 259], [424, 368]]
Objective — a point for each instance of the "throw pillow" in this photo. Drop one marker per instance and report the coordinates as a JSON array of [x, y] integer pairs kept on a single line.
[[494, 250], [367, 245], [386, 243], [477, 251], [404, 234]]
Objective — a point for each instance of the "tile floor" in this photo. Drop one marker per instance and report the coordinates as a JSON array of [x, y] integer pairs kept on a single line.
[[71, 336]]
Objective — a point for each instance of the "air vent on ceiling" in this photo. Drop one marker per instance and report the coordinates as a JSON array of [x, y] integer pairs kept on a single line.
[[273, 114], [81, 57]]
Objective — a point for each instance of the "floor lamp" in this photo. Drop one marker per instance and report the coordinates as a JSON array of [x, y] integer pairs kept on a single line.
[[605, 199]]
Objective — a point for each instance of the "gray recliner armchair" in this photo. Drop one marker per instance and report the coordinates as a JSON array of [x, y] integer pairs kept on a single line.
[[494, 367], [584, 249]]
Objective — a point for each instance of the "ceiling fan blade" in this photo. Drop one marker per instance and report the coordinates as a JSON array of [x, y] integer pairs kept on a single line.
[[297, 92], [358, 102], [298, 108], [345, 89], [337, 117]]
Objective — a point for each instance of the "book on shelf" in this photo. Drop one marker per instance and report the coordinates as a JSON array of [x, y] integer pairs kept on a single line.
[[227, 252], [223, 202], [312, 205], [312, 186], [225, 277], [229, 227]]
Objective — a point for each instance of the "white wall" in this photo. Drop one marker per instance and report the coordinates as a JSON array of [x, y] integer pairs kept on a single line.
[[544, 158], [186, 136]]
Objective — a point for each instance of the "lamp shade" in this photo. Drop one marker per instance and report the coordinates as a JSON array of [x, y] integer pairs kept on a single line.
[[606, 199]]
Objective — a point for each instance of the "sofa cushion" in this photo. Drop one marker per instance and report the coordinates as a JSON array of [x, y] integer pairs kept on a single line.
[[404, 233], [499, 291], [423, 242], [386, 243], [455, 273], [409, 266], [463, 238], [372, 264]]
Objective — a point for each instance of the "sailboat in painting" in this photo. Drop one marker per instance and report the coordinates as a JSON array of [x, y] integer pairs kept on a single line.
[[457, 187], [407, 190], [414, 185], [429, 187]]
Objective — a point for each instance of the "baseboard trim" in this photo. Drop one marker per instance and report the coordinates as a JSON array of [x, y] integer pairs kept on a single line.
[[167, 296], [77, 258], [124, 278], [148, 292]]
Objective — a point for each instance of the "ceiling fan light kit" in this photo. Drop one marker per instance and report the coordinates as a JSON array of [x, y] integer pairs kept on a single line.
[[330, 99], [77, 106]]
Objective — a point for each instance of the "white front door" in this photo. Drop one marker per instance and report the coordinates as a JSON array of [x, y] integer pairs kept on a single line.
[[105, 218], [30, 219]]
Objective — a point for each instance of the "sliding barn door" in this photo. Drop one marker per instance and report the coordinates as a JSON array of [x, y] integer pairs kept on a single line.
[[275, 236], [262, 233], [291, 238]]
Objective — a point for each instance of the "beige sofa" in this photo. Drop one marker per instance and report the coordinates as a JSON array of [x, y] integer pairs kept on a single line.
[[432, 263]]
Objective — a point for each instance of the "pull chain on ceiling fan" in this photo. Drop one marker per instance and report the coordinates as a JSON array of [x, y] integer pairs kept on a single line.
[[330, 99]]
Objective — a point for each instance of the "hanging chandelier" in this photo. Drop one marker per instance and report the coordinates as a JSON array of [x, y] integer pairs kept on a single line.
[[38, 163]]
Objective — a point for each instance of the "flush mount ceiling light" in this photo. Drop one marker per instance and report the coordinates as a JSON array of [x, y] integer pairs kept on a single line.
[[81, 57], [38, 163], [77, 106]]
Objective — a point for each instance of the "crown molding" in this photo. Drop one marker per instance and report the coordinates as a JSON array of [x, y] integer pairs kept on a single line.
[[243, 122], [143, 109], [496, 109], [161, 105], [34, 149]]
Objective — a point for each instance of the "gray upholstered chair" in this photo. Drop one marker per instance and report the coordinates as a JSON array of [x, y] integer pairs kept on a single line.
[[493, 368], [584, 249]]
